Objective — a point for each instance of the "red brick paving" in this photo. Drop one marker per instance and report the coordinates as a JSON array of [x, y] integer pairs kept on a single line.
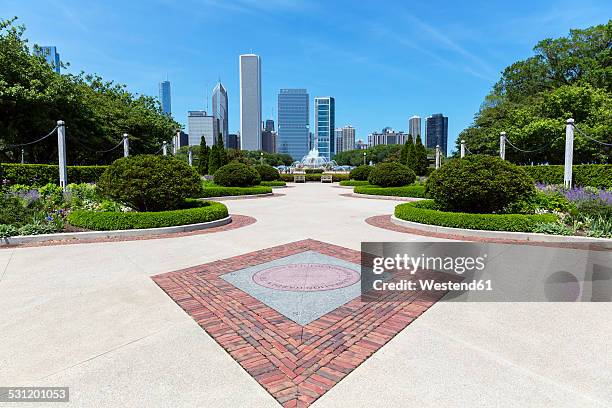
[[238, 221], [295, 364]]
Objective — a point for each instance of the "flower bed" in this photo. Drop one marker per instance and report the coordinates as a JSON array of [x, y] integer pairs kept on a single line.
[[425, 212], [214, 190], [413, 190], [106, 221]]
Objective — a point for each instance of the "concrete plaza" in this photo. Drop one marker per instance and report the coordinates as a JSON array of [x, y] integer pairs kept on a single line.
[[89, 316]]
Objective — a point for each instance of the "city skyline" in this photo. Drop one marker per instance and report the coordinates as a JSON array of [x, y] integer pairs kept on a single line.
[[415, 62]]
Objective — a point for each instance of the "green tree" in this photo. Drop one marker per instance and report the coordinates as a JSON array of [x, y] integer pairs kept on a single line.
[[410, 154], [420, 157], [33, 97], [203, 157], [567, 77], [213, 159], [223, 160]]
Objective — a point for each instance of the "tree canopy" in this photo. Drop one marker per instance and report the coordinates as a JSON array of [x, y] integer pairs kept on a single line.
[[33, 97], [567, 77]]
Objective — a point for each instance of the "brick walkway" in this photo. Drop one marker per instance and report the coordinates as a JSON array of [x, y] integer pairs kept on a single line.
[[295, 364]]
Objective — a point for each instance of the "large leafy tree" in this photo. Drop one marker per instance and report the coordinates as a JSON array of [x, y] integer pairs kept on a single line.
[[96, 112], [567, 77]]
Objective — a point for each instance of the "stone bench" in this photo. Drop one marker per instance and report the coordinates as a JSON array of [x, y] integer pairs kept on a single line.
[[327, 178], [299, 178]]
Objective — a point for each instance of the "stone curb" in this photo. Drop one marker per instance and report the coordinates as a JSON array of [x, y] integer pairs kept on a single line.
[[518, 236], [62, 236]]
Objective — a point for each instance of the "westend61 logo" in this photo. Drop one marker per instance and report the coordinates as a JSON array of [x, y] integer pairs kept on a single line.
[[411, 264], [404, 263], [486, 272]]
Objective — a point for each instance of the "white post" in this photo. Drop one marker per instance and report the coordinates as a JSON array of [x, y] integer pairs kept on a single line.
[[177, 141], [190, 157], [437, 156], [126, 145], [462, 148], [502, 145], [569, 153], [165, 148], [364, 158], [22, 156], [61, 149]]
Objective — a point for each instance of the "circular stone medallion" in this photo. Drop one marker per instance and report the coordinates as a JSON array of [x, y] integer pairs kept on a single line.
[[306, 277]]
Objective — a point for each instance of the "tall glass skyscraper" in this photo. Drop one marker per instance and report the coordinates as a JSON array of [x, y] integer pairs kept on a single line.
[[437, 131], [325, 125], [219, 111], [165, 98], [414, 126], [293, 122], [51, 56], [250, 102]]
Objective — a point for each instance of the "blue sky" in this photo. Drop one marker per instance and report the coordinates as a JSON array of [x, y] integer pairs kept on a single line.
[[383, 61]]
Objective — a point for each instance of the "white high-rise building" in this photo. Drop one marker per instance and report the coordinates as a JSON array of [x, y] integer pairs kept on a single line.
[[345, 139], [250, 102], [414, 126], [200, 124]]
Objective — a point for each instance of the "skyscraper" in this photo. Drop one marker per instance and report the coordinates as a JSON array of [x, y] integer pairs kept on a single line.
[[201, 124], [293, 122], [165, 98], [325, 125], [250, 102], [51, 56], [219, 111], [345, 139], [268, 137], [437, 131], [414, 126]]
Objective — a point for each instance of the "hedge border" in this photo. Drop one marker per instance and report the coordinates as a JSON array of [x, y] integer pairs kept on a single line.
[[354, 183], [423, 212], [273, 183], [315, 177], [412, 190], [592, 175], [109, 221], [211, 191], [40, 174]]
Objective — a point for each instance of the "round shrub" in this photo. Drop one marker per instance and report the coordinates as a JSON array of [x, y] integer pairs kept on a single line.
[[479, 184], [267, 172], [237, 175], [360, 173], [391, 174], [150, 183]]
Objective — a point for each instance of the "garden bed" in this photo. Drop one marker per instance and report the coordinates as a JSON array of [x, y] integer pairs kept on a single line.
[[354, 183], [202, 212], [413, 190], [424, 212]]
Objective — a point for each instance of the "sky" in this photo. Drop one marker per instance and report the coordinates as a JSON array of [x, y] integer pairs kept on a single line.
[[383, 61]]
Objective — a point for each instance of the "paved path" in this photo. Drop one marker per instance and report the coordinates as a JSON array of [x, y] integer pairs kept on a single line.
[[88, 316]]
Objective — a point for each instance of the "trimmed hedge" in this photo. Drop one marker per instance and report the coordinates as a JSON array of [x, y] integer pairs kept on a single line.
[[353, 183], [267, 172], [236, 174], [316, 177], [414, 190], [105, 221], [273, 183], [313, 171], [213, 190], [360, 172], [592, 175], [38, 175], [425, 212], [391, 174]]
